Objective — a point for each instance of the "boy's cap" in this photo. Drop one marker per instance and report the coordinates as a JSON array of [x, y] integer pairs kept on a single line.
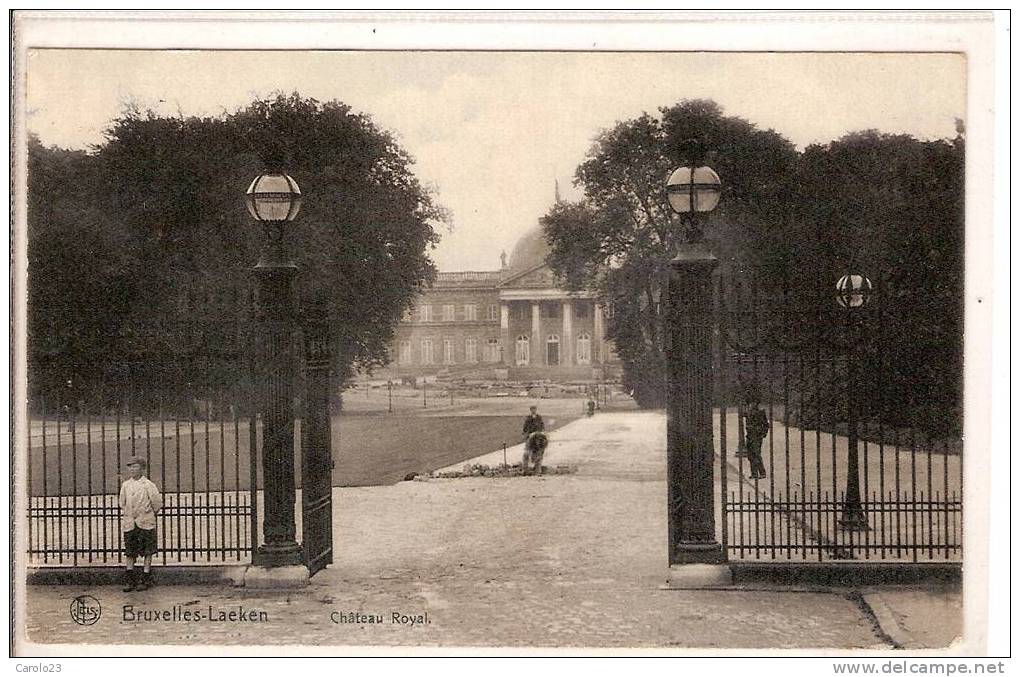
[[135, 460]]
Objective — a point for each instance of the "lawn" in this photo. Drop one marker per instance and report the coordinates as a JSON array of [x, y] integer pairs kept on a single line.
[[371, 448]]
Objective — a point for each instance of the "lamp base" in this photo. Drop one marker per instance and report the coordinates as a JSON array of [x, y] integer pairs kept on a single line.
[[276, 577], [698, 553], [697, 576], [279, 555]]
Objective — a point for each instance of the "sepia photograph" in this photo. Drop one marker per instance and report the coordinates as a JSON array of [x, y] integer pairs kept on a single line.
[[471, 343]]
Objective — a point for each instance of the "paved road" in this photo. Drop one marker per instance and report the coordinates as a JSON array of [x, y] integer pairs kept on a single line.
[[571, 560]]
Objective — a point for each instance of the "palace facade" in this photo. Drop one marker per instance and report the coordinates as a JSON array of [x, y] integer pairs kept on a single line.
[[515, 323]]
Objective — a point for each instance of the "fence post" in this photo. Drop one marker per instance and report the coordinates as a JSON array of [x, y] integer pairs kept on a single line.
[[853, 518]]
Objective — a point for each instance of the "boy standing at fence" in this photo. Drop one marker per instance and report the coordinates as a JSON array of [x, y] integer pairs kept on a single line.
[[139, 502]]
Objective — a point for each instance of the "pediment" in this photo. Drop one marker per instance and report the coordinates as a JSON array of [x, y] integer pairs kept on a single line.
[[540, 276]]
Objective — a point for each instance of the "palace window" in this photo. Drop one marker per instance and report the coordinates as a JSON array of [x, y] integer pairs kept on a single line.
[[405, 352], [493, 312], [470, 312], [470, 350], [449, 312], [425, 313], [448, 351], [552, 350], [522, 354], [611, 352], [582, 309], [492, 351], [427, 356], [550, 309], [584, 349], [520, 311]]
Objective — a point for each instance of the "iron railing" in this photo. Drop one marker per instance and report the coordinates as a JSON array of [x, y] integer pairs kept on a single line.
[[827, 385], [199, 458], [806, 527]]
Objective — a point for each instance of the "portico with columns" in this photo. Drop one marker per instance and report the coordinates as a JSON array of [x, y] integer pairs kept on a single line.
[[541, 323], [549, 328], [519, 320]]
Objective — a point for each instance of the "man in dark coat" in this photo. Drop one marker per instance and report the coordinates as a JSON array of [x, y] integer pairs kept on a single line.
[[756, 427], [535, 441], [533, 423]]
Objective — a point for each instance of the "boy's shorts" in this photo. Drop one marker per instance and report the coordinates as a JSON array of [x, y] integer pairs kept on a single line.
[[139, 542]]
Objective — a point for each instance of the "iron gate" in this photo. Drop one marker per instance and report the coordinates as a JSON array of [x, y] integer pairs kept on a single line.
[[316, 452], [821, 376]]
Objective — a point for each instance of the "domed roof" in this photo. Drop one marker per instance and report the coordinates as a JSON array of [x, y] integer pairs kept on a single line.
[[529, 252]]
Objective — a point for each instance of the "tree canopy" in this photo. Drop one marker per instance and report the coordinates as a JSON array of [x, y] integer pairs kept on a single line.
[[620, 239], [892, 206], [888, 206], [149, 228]]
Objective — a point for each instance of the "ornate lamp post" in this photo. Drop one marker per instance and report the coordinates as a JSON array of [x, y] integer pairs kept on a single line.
[[852, 293], [691, 190], [274, 199]]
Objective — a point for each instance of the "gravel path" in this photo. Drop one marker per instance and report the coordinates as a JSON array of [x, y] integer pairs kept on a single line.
[[571, 560]]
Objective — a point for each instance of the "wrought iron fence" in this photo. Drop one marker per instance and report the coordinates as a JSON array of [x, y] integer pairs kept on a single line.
[[198, 454], [806, 527], [845, 469]]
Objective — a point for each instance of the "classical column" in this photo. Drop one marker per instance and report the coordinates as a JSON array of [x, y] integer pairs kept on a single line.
[[537, 353], [597, 339], [504, 332], [567, 344]]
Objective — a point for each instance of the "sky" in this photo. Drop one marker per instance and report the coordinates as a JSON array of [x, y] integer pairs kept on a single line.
[[492, 132]]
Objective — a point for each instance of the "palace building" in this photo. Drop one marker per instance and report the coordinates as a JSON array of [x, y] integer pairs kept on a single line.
[[515, 323]]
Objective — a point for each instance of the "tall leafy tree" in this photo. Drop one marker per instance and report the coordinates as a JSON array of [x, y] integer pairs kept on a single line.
[[620, 238], [168, 192], [892, 207], [82, 273]]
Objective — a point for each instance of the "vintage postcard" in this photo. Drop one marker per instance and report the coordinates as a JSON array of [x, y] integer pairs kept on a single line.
[[501, 334]]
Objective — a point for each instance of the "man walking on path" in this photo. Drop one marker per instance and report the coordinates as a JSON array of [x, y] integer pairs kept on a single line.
[[139, 502], [756, 426]]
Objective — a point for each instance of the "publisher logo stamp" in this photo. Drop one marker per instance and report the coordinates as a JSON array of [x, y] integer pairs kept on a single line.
[[85, 610]]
